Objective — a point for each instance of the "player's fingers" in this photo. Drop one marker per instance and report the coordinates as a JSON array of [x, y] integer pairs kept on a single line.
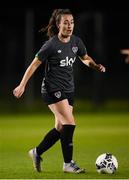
[[19, 95], [14, 92], [125, 51], [102, 68]]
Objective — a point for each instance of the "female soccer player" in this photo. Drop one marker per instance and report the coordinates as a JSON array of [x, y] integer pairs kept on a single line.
[[59, 53]]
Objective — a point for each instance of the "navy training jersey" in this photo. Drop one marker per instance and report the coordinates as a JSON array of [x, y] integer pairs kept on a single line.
[[59, 58]]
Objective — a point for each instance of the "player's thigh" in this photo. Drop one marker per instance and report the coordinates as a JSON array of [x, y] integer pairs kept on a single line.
[[63, 112], [58, 123]]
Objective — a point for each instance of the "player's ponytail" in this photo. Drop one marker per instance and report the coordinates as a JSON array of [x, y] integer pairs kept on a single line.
[[52, 27]]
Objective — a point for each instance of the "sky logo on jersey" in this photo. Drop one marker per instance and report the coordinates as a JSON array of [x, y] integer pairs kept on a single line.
[[67, 61]]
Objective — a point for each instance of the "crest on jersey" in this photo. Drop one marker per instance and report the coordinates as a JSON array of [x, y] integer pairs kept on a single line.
[[75, 49], [57, 94], [59, 51]]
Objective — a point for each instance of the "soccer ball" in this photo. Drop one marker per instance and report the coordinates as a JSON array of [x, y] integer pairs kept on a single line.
[[106, 163]]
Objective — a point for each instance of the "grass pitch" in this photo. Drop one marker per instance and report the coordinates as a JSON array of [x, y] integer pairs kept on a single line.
[[95, 134]]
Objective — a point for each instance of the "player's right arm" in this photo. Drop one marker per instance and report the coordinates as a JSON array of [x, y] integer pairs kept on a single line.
[[19, 90]]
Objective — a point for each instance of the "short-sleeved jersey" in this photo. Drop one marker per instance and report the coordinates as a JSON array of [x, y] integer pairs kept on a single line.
[[59, 58]]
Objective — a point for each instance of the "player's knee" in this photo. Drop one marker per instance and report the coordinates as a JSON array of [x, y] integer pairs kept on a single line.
[[64, 118], [69, 120], [58, 126]]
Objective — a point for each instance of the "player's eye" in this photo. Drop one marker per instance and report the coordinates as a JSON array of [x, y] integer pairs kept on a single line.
[[66, 23]]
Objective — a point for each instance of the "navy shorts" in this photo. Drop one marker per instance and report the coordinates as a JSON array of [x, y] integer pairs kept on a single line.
[[56, 96]]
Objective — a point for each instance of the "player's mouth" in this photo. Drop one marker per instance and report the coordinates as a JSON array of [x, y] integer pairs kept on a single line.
[[69, 31]]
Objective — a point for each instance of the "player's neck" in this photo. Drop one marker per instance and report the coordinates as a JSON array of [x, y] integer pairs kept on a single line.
[[63, 38]]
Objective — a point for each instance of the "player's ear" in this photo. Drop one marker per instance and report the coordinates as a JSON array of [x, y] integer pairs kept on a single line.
[[58, 25]]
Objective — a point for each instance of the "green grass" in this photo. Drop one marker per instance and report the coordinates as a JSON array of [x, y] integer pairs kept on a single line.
[[95, 134]]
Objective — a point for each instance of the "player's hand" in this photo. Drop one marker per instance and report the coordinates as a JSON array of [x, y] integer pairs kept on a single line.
[[18, 91], [124, 51], [100, 68]]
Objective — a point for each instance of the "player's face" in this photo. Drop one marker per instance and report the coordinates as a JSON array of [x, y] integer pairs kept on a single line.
[[66, 25]]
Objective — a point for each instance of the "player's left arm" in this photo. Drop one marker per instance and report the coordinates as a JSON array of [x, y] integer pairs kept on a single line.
[[88, 61]]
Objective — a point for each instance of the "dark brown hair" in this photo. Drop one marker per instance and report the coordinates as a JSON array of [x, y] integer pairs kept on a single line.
[[52, 28]]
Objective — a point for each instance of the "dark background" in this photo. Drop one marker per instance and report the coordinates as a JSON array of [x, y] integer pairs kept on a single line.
[[104, 28]]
